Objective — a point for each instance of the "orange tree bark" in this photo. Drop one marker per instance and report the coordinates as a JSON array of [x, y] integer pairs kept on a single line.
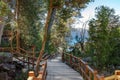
[[44, 38]]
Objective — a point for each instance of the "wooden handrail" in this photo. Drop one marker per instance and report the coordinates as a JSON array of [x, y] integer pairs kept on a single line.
[[6, 49], [85, 70], [29, 59], [116, 76], [7, 33]]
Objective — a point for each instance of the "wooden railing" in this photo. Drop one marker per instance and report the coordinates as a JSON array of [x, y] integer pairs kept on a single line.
[[22, 55], [116, 76], [82, 67], [41, 75], [6, 49], [7, 33], [26, 57]]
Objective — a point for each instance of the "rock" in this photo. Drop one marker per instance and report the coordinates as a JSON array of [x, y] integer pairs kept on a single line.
[[7, 54], [5, 57], [7, 67], [2, 59], [24, 70], [11, 74], [18, 66], [4, 67]]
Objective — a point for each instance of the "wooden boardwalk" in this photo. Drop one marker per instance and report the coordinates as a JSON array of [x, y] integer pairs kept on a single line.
[[56, 70]]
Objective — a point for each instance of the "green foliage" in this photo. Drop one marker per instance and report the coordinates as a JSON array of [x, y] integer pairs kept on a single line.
[[31, 17], [61, 25], [77, 5], [65, 13], [31, 14], [104, 37], [76, 52], [3, 8], [114, 56]]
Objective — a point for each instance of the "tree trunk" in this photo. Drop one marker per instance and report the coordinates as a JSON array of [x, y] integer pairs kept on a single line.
[[1, 28], [45, 37], [82, 46], [53, 13]]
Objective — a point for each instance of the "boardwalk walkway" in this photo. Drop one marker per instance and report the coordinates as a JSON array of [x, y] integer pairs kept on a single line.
[[56, 70]]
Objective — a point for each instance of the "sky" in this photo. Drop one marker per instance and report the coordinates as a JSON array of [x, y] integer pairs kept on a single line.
[[89, 12]]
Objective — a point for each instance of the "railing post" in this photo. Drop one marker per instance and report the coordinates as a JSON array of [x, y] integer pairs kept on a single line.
[[33, 62], [31, 75], [95, 74], [28, 62], [86, 69], [18, 40], [33, 55], [79, 65], [40, 75], [70, 60], [23, 59], [86, 64], [63, 57], [102, 78]]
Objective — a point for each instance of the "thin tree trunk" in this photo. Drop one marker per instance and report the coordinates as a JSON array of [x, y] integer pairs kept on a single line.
[[53, 13], [82, 46], [1, 28], [45, 38], [1, 31]]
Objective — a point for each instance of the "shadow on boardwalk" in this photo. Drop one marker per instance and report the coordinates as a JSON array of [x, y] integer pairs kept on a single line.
[[56, 70]]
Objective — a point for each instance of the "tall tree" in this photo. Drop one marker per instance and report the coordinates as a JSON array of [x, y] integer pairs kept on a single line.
[[75, 5], [102, 41], [31, 15], [45, 36]]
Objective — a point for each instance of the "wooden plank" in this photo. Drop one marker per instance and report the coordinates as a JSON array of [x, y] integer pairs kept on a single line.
[[56, 70]]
